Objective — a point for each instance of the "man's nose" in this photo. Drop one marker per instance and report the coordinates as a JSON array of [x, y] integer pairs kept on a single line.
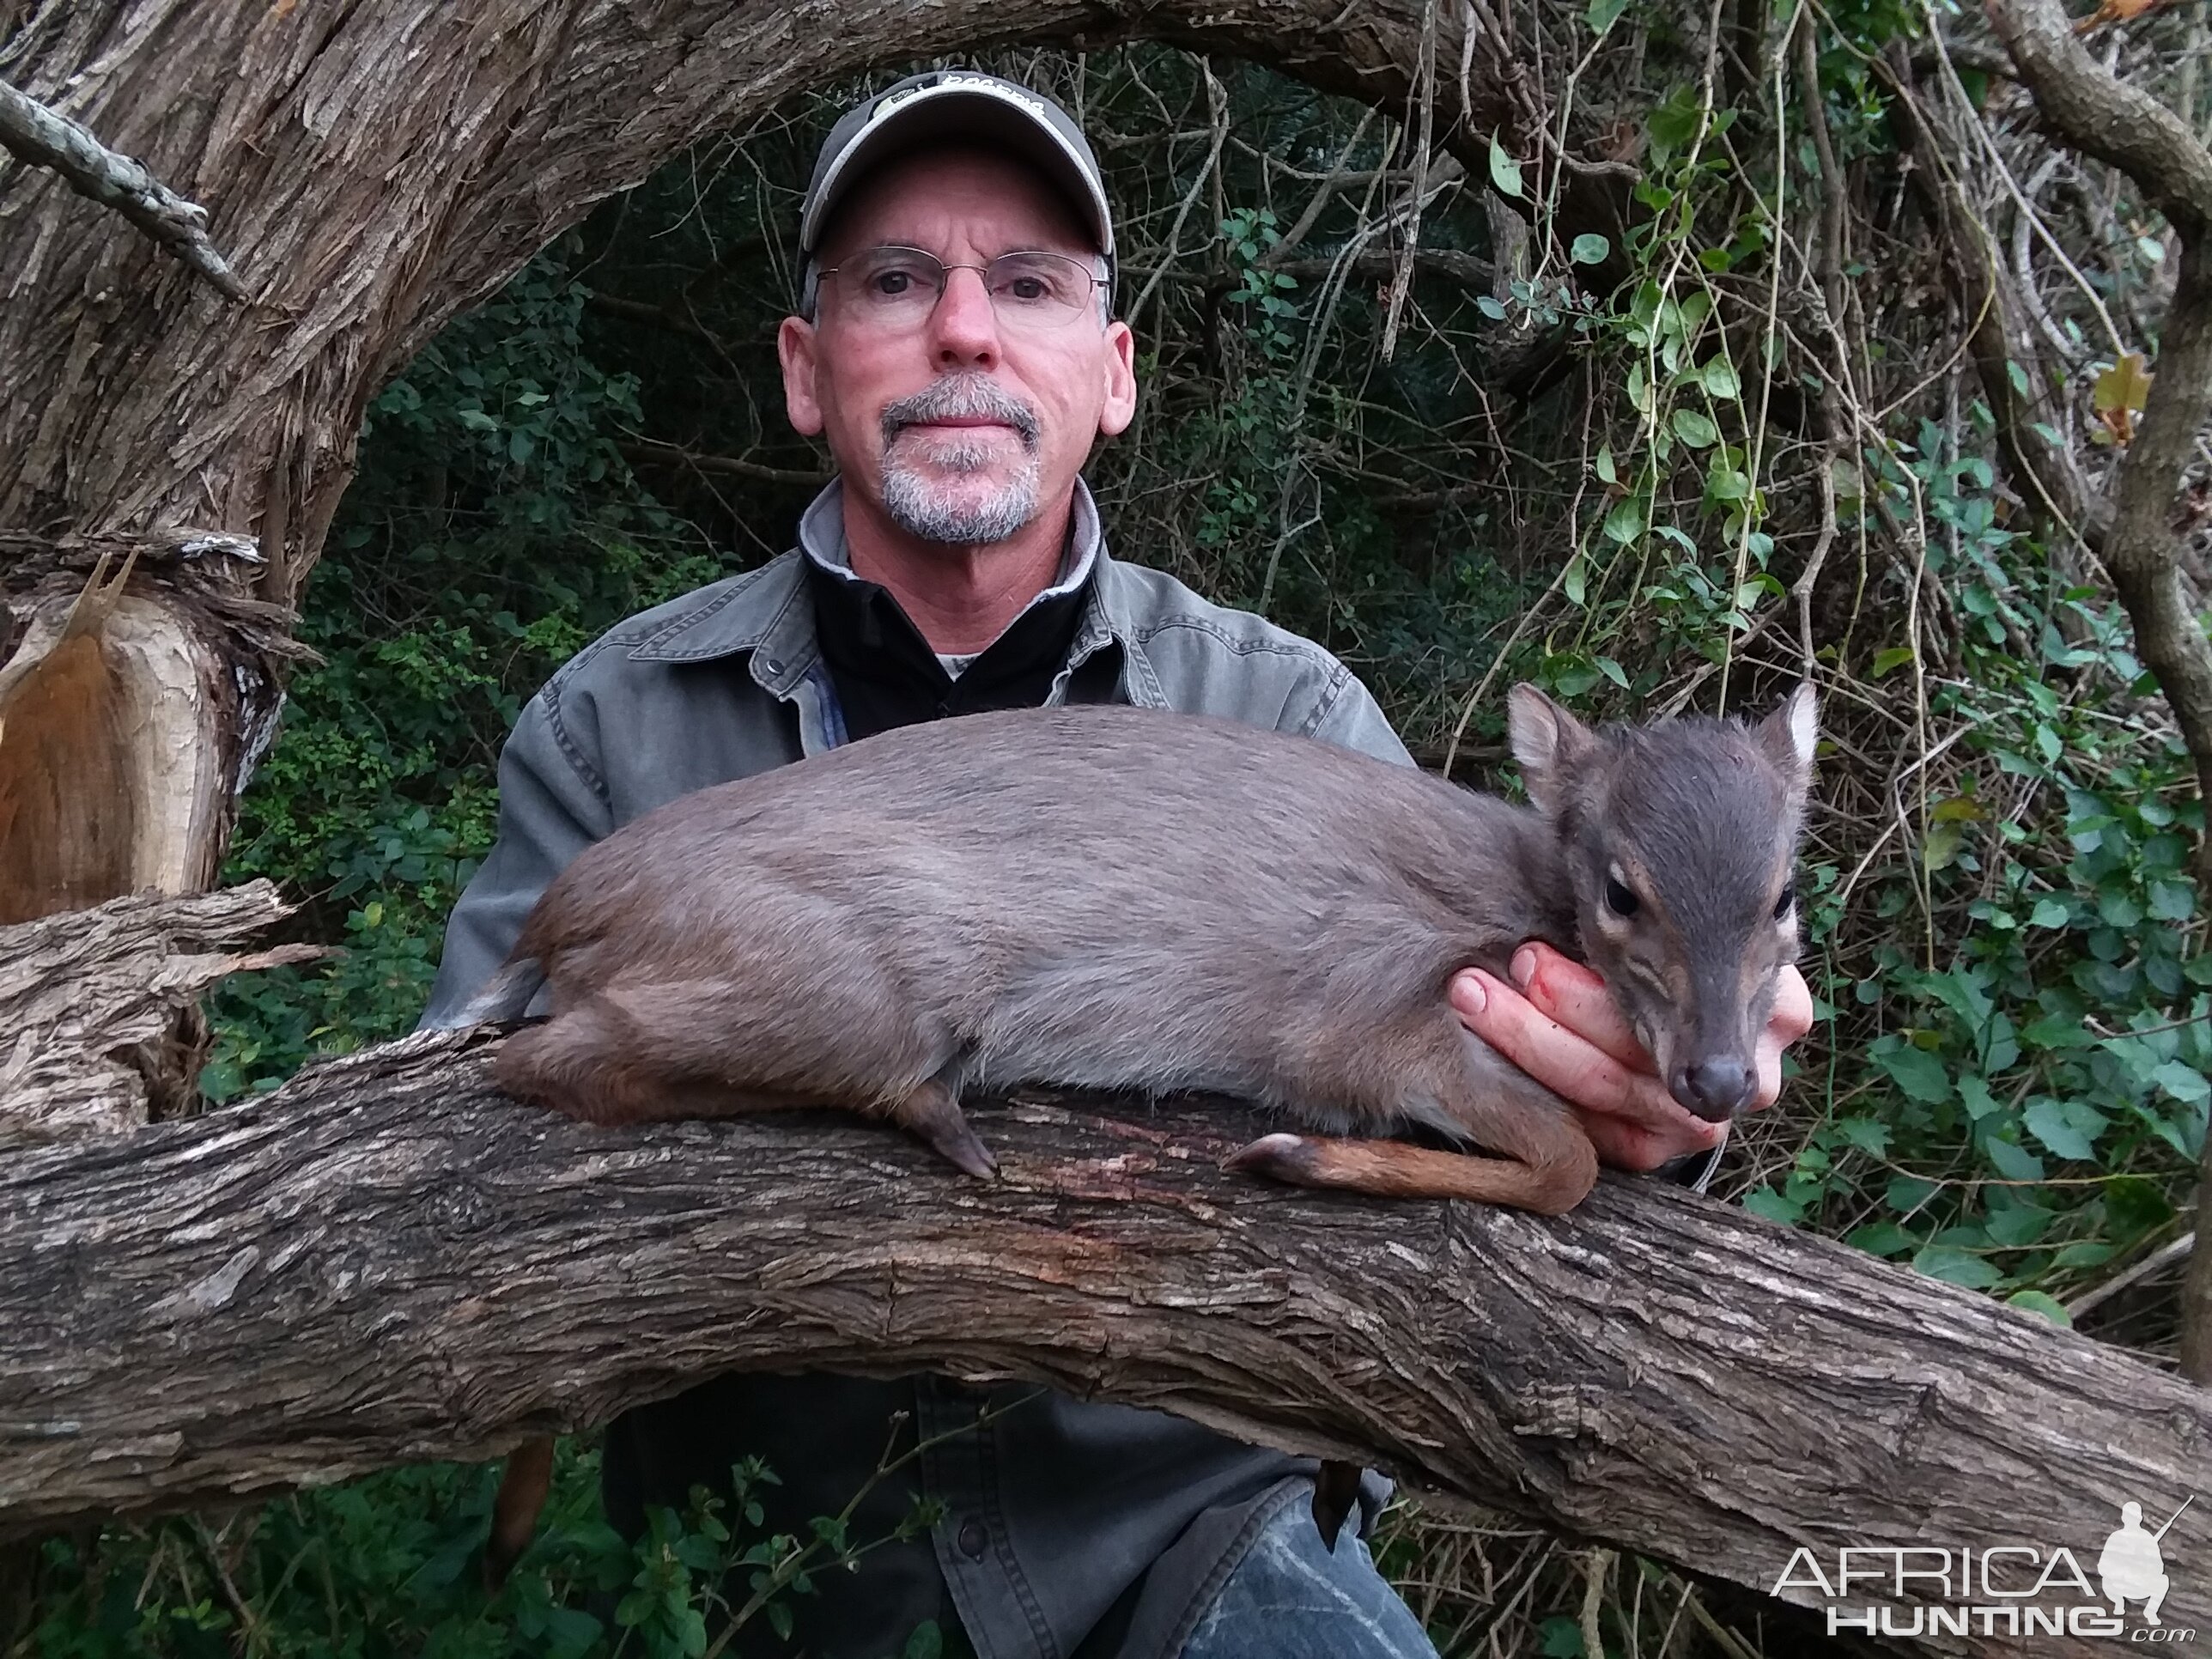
[[964, 327]]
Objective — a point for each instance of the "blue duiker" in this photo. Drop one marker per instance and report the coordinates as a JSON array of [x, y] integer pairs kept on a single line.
[[1118, 898]]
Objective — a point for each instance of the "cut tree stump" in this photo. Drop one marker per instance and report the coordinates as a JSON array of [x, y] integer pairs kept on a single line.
[[385, 1262]]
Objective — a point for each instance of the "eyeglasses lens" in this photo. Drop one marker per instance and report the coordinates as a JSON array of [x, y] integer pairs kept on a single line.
[[897, 288]]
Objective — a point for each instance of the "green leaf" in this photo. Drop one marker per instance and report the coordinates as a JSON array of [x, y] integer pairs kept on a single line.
[[2013, 1163], [2184, 1082], [1888, 661], [1955, 1266], [1625, 522], [1604, 14], [2057, 1031], [1719, 376], [1920, 1074], [2036, 1301], [2046, 1121], [1906, 1193], [1695, 429], [1606, 473], [2089, 1253], [928, 1642], [2173, 901], [1870, 1135], [2048, 913], [1773, 1207], [1504, 170], [1560, 1637], [1941, 849], [2020, 1225], [1881, 1238], [1491, 308], [1589, 249], [1979, 1102]]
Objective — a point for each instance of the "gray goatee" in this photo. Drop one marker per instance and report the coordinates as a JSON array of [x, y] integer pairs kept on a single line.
[[937, 510]]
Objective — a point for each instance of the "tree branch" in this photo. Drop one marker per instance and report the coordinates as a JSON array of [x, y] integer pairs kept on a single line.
[[43, 137], [385, 1263], [2101, 115], [652, 452]]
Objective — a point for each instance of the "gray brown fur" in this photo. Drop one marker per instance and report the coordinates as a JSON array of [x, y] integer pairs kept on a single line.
[[1128, 899]]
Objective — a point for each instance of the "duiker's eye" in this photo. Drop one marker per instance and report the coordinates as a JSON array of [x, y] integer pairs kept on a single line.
[[1787, 902], [1619, 899]]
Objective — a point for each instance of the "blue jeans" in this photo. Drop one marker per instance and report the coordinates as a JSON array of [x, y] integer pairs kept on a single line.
[[1291, 1599]]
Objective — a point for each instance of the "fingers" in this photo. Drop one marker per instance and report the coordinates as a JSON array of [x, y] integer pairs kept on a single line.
[[1576, 998], [1622, 1145], [1630, 1117], [1791, 1018]]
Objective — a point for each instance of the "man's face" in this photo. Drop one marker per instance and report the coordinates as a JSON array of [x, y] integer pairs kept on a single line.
[[962, 425]]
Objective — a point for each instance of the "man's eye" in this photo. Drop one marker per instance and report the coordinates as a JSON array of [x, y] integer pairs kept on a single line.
[[890, 282], [1028, 289]]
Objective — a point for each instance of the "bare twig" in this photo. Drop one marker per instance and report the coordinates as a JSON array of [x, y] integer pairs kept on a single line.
[[43, 137]]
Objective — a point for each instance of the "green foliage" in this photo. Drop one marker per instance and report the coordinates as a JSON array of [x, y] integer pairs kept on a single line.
[[388, 1566], [493, 529], [2034, 1088]]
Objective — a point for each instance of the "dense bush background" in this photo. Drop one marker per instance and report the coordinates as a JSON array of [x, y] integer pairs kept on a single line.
[[1761, 457]]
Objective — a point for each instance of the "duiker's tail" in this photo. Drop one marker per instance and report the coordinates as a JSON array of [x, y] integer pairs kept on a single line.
[[505, 994]]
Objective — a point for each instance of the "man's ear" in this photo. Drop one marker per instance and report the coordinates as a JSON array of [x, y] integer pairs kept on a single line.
[[1120, 407], [795, 349], [1547, 741]]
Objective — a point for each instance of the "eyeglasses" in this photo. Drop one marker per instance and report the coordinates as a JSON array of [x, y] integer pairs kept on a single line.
[[897, 288]]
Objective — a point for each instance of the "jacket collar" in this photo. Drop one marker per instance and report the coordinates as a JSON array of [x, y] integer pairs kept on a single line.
[[767, 612]]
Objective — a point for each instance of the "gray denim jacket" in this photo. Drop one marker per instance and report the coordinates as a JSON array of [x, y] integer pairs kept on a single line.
[[1053, 1511]]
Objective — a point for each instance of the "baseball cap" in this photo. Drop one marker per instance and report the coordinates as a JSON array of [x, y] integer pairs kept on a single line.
[[956, 104]]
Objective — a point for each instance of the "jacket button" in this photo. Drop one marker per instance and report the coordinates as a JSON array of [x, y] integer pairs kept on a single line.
[[972, 1539], [773, 665]]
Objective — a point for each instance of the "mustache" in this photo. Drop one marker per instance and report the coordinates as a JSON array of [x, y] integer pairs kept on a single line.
[[966, 395]]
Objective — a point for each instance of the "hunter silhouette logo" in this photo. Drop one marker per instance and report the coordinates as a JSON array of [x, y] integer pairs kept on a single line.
[[2130, 1567], [2004, 1589]]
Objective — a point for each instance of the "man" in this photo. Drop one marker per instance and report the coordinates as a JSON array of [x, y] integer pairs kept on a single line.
[[957, 353]]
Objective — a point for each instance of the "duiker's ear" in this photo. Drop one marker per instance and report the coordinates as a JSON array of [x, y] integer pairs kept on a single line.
[[1789, 733], [1547, 741]]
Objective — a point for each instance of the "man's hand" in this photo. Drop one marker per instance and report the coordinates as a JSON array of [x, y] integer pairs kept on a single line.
[[1562, 1029]]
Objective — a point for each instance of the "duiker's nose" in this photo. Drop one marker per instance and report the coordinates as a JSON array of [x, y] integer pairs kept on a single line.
[[1716, 1088]]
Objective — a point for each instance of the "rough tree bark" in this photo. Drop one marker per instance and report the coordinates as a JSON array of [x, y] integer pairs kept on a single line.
[[370, 171], [37, 135], [82, 994], [385, 1263], [2122, 126]]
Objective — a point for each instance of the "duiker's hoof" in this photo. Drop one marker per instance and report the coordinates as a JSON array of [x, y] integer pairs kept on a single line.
[[1278, 1157], [1336, 1491]]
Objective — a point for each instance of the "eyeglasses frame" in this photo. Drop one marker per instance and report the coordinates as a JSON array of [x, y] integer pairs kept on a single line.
[[815, 273]]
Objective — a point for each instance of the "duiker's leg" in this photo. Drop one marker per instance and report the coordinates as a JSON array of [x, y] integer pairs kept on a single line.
[[932, 1113], [638, 1052], [1543, 1162], [522, 1489]]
